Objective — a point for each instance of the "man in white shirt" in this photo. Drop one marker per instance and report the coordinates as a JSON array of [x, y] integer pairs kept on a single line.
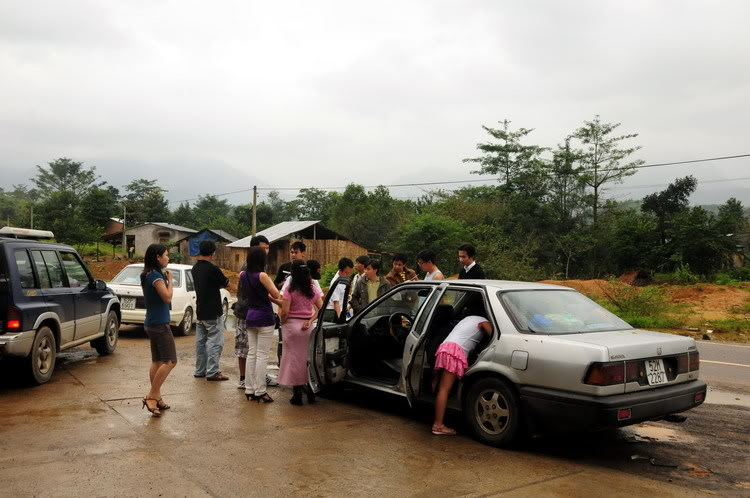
[[338, 298]]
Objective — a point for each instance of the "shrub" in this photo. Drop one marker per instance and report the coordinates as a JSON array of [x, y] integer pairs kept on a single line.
[[742, 274], [327, 273], [683, 275], [635, 301]]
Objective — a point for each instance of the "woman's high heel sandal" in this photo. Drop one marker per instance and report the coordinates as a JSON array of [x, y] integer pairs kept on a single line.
[[155, 410], [297, 396], [264, 398], [251, 397]]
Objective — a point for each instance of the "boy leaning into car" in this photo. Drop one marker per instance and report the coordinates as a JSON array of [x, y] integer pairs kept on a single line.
[[209, 329]]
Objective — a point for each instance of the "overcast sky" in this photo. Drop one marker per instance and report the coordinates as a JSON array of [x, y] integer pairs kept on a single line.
[[212, 97]]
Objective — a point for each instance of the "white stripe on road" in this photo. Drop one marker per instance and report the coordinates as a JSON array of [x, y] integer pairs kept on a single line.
[[725, 363], [719, 344]]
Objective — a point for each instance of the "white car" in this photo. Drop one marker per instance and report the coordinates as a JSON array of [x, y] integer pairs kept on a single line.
[[127, 286]]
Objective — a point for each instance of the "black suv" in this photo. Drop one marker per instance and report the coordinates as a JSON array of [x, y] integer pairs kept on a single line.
[[50, 302]]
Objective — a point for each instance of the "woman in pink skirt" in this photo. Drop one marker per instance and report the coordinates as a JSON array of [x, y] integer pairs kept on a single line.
[[301, 302], [451, 362]]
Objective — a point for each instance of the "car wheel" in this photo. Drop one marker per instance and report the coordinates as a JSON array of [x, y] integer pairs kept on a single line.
[[186, 325], [41, 360], [491, 410], [107, 344]]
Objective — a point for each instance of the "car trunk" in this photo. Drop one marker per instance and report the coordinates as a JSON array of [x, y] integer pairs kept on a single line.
[[125, 291], [649, 349]]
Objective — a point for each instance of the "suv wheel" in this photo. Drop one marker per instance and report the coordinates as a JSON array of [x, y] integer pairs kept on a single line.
[[42, 357], [186, 324], [107, 344], [491, 410]]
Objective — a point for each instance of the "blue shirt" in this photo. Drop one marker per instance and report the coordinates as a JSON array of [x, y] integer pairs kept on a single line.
[[157, 311]]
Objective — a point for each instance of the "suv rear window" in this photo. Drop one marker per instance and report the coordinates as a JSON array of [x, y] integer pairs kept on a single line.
[[25, 270]]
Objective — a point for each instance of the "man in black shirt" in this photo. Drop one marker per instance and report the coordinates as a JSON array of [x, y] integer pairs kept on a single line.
[[209, 328], [471, 270], [297, 251]]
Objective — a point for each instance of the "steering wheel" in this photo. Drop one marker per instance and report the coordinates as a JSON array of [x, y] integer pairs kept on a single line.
[[399, 325]]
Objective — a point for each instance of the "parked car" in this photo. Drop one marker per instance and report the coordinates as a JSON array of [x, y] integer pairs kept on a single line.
[[127, 286], [49, 302], [556, 360]]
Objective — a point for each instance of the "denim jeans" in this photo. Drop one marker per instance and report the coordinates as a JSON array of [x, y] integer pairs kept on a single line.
[[209, 342], [259, 341]]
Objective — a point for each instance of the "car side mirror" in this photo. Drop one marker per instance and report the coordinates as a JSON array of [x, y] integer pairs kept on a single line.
[[101, 285]]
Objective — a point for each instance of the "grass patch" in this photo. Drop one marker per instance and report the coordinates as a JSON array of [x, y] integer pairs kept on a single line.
[[729, 325], [642, 307]]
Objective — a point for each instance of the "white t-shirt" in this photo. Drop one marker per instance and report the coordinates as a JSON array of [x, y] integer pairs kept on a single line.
[[338, 293], [467, 333], [431, 275]]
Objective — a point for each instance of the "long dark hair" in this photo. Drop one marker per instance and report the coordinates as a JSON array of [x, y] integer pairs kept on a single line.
[[150, 261], [256, 260], [301, 280]]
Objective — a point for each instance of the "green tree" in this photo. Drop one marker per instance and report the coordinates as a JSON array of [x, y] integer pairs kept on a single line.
[[507, 157], [440, 233], [666, 204], [183, 216], [603, 158], [145, 202], [99, 205], [209, 209], [697, 241], [65, 175], [315, 204]]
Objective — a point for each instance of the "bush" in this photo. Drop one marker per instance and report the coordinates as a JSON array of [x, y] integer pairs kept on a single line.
[[680, 276], [724, 279], [327, 273], [175, 257], [635, 301], [742, 274]]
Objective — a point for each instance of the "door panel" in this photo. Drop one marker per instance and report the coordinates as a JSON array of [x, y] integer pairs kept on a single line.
[[56, 294], [328, 347], [88, 300]]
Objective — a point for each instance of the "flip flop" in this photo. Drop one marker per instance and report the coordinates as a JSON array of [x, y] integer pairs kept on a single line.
[[442, 430]]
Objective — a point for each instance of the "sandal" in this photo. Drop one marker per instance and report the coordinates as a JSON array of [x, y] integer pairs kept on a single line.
[[155, 410], [264, 398], [442, 430], [161, 405]]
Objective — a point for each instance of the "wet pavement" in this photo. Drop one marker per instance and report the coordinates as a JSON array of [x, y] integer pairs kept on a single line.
[[84, 433]]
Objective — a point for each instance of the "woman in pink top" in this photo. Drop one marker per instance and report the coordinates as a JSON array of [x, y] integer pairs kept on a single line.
[[301, 302]]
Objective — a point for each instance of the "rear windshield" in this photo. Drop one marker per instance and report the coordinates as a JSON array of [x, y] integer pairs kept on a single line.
[[558, 312], [132, 275]]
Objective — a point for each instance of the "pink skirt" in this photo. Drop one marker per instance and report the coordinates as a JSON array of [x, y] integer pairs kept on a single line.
[[293, 368], [451, 358]]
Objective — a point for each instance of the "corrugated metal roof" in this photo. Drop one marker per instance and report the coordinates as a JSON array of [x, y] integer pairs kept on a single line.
[[226, 235], [172, 227], [277, 232]]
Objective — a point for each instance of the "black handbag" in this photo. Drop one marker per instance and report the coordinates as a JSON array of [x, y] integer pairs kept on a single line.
[[242, 305]]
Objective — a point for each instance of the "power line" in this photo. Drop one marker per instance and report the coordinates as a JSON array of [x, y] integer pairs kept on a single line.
[[455, 182], [655, 185]]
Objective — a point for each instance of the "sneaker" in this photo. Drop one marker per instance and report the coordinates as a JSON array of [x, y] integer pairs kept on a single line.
[[241, 384], [270, 381]]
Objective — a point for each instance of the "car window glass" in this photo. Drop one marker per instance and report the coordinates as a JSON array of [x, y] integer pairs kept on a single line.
[[558, 312], [41, 270], [176, 278], [54, 268], [77, 275], [408, 300], [189, 282], [25, 270]]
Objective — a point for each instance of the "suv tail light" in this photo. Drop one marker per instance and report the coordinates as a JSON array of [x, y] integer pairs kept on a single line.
[[13, 319], [695, 361], [605, 374]]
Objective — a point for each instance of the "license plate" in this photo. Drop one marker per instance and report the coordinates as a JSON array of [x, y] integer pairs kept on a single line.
[[655, 372], [127, 303]]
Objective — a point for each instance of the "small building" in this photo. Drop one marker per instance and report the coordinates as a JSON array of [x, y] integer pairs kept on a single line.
[[323, 245], [144, 235], [189, 246], [113, 226]]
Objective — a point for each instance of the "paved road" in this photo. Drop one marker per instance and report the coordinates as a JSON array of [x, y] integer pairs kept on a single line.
[[727, 366]]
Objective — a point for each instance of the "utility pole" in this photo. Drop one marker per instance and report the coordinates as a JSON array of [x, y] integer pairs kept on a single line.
[[124, 240], [255, 208], [32, 216]]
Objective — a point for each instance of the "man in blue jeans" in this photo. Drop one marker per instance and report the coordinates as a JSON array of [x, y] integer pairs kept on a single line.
[[209, 329]]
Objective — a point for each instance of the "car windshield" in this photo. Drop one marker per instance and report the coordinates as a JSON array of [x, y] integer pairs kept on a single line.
[[558, 312], [132, 275]]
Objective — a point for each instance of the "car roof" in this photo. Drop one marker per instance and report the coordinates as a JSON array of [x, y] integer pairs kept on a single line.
[[169, 266], [499, 285], [35, 243]]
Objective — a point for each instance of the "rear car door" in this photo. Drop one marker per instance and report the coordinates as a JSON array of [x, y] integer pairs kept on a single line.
[[54, 288], [88, 300], [30, 303], [328, 347]]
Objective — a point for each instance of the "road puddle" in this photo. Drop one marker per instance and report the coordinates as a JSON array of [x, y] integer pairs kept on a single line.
[[717, 397], [647, 432]]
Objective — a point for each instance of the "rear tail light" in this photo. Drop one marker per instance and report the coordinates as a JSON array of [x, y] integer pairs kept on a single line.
[[13, 319], [699, 397], [624, 414], [695, 362], [682, 363], [632, 371], [605, 374]]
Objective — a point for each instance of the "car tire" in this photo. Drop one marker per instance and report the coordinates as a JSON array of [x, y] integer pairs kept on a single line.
[[186, 325], [107, 344], [41, 360], [492, 412]]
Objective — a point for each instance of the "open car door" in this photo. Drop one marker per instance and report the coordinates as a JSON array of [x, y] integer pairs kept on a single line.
[[328, 346]]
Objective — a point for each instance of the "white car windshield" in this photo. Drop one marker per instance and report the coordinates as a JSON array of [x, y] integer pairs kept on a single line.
[[132, 275], [558, 312]]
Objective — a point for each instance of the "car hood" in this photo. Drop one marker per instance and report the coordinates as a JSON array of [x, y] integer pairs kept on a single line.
[[126, 289], [635, 343]]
